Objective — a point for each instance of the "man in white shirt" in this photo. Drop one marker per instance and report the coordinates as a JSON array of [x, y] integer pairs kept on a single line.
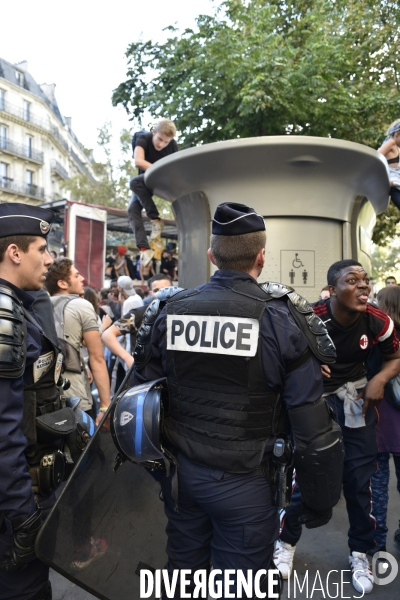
[[128, 296]]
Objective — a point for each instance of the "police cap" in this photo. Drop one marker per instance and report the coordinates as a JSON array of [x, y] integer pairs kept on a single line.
[[236, 219], [24, 219]]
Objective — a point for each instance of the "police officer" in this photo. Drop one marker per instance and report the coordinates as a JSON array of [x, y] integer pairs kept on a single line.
[[238, 364], [31, 463]]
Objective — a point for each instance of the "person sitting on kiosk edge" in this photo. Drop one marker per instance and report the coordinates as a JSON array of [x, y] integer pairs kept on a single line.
[[149, 148], [236, 359]]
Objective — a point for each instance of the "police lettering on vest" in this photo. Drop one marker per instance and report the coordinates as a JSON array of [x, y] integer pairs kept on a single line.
[[236, 336]]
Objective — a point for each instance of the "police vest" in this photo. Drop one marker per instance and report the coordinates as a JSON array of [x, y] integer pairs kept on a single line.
[[221, 411], [42, 396]]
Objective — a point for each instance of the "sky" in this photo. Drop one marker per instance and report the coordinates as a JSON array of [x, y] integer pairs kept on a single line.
[[80, 46]]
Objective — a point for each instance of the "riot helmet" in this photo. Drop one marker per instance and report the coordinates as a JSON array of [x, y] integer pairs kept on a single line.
[[135, 423]]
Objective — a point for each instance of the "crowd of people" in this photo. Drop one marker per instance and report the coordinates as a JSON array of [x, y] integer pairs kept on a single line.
[[321, 374], [164, 260]]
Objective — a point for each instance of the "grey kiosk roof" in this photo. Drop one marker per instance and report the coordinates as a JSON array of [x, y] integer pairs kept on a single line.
[[277, 175]]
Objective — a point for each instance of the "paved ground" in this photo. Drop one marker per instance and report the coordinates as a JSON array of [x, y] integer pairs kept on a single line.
[[319, 551]]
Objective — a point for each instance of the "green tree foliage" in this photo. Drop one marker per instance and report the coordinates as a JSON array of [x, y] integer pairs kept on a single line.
[[385, 262], [111, 184], [110, 187], [325, 68], [257, 67]]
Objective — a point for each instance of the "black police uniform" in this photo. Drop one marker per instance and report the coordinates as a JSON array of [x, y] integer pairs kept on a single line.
[[30, 367], [235, 360]]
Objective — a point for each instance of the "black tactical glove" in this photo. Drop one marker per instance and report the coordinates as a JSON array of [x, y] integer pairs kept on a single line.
[[22, 550], [315, 518]]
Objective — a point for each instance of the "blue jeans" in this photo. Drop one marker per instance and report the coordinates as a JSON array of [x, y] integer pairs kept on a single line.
[[395, 196], [380, 494]]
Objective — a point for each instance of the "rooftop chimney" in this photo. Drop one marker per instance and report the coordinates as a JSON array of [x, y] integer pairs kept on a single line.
[[22, 66], [48, 89]]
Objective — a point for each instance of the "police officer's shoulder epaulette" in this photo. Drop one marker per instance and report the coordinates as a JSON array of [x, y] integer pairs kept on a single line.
[[142, 352], [12, 335], [274, 289], [312, 327], [310, 324]]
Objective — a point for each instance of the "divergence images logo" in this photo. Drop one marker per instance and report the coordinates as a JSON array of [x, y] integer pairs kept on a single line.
[[384, 568]]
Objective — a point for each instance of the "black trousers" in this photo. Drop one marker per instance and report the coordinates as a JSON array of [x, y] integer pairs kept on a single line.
[[359, 466], [142, 198], [31, 582], [225, 519]]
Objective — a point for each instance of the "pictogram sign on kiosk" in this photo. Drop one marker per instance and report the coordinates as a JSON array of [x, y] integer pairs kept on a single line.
[[298, 268]]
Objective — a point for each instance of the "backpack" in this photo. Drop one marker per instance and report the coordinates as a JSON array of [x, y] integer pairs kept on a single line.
[[72, 358], [135, 137]]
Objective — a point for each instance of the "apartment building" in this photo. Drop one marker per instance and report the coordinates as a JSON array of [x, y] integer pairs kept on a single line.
[[38, 149]]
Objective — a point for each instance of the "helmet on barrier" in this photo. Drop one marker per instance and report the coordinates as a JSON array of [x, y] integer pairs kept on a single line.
[[135, 423]]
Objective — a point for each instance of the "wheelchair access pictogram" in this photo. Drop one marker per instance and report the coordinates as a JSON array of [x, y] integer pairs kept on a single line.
[[298, 268]]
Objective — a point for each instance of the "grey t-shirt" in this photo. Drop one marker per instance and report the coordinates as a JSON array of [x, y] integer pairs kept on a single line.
[[79, 317]]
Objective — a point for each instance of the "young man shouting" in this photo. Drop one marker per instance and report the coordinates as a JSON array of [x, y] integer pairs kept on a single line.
[[354, 326]]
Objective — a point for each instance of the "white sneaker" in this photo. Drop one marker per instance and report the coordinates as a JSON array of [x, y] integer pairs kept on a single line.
[[283, 558], [157, 225], [146, 256], [362, 579]]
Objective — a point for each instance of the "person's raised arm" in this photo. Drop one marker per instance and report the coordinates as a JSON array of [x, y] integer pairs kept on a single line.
[[387, 147], [109, 338], [98, 367]]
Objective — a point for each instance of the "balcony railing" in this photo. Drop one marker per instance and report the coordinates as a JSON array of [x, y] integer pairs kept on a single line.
[[59, 169], [22, 189], [29, 117], [19, 150]]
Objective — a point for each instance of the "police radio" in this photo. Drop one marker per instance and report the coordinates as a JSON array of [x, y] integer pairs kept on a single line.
[[283, 460]]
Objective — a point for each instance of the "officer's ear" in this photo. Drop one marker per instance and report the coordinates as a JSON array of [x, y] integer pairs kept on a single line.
[[260, 260], [211, 256], [13, 253], [332, 290]]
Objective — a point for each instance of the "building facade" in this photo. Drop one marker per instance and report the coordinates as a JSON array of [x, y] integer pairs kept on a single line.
[[38, 149]]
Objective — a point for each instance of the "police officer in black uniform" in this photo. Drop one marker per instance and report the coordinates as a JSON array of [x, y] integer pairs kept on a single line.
[[31, 463], [239, 361]]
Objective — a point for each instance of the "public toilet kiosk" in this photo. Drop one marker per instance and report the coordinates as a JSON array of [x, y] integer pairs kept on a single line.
[[319, 198]]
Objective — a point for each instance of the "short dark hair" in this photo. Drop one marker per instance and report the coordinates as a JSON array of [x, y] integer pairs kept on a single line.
[[390, 277], [159, 277], [22, 241], [60, 269], [237, 252], [337, 267]]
